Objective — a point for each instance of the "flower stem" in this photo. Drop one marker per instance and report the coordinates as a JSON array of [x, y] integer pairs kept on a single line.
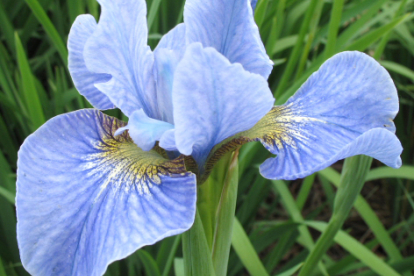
[[352, 181], [224, 219], [206, 246], [197, 254]]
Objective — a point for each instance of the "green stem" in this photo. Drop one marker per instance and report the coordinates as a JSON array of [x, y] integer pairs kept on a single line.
[[206, 246], [197, 254], [224, 219], [352, 180]]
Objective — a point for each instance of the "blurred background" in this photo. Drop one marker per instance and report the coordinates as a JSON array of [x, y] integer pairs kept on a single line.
[[276, 216]]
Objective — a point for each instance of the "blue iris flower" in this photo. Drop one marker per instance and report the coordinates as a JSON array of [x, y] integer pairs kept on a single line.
[[89, 192]]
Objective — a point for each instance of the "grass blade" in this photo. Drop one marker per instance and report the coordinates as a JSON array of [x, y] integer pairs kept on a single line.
[[356, 249], [153, 12], [336, 15], [246, 252], [296, 49], [49, 28], [366, 212], [352, 181], [406, 172], [29, 87], [150, 266]]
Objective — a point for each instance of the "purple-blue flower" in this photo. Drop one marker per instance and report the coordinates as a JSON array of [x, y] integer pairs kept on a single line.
[[92, 189]]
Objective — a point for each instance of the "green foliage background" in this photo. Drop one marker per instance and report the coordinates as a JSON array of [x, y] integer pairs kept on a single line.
[[277, 222]]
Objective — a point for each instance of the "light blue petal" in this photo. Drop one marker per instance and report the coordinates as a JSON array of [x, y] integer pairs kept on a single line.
[[84, 80], [167, 140], [377, 143], [85, 199], [119, 47], [229, 27], [345, 108], [143, 130], [167, 55], [173, 40], [213, 100]]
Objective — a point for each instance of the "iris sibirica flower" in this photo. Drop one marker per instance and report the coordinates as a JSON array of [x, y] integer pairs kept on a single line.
[[92, 189]]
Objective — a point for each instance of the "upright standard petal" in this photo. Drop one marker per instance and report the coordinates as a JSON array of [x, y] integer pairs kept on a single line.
[[213, 100], [346, 108], [86, 198], [173, 40], [118, 47], [167, 55], [229, 27], [84, 80]]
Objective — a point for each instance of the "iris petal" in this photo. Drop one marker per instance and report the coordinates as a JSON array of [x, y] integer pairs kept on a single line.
[[118, 47], [377, 143], [86, 198], [168, 53], [345, 108], [213, 100], [229, 27], [84, 80], [145, 131], [173, 40]]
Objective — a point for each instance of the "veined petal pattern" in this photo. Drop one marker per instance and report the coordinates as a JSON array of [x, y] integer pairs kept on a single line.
[[229, 27], [213, 100], [86, 198], [118, 47], [84, 80], [346, 108]]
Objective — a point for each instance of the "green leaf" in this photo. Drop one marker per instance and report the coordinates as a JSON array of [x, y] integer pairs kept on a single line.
[[171, 255], [349, 33], [291, 271], [284, 43], [2, 271], [224, 219], [6, 27], [366, 212], [398, 68], [404, 265], [304, 191], [406, 172], [245, 250], [352, 180], [260, 12], [7, 213], [179, 267], [150, 266], [336, 15], [153, 12], [313, 24], [357, 249], [209, 194], [28, 86], [386, 37], [294, 56], [6, 141], [364, 42], [197, 254], [7, 195], [290, 205], [49, 28]]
